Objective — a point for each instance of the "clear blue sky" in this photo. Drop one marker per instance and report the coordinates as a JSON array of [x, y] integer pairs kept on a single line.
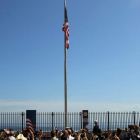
[[103, 61]]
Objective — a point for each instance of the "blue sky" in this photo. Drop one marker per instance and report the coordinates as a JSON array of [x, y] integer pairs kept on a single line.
[[102, 62]]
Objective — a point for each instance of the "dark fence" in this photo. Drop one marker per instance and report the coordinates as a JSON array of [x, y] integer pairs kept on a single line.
[[12, 120], [47, 121]]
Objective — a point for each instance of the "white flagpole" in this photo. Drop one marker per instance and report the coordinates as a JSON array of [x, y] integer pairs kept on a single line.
[[65, 68]]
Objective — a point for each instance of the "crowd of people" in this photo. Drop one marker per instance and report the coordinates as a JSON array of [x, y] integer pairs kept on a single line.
[[26, 134], [132, 133]]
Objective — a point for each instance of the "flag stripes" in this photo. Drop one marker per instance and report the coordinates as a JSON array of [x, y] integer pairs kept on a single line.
[[66, 29]]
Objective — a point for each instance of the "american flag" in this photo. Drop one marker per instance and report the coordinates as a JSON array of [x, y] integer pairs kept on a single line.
[[66, 29], [30, 125], [31, 121]]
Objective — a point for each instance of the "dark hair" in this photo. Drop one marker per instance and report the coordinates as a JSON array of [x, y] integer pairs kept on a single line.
[[52, 133], [64, 136], [113, 133], [69, 132], [119, 130], [11, 134], [131, 127]]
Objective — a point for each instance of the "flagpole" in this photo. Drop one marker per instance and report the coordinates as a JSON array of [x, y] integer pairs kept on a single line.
[[65, 69]]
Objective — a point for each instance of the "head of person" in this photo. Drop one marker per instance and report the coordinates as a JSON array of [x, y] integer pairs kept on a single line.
[[113, 134], [56, 129], [71, 128], [52, 133], [64, 135], [11, 134], [18, 132], [119, 130], [21, 137], [136, 126], [95, 122], [11, 131], [25, 132], [66, 132], [39, 130], [69, 132], [74, 135]]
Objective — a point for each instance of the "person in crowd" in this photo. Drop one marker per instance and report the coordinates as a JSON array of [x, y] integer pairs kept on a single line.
[[94, 137], [81, 135], [75, 135], [95, 128], [113, 136], [2, 134], [12, 136], [28, 134], [38, 134], [126, 137], [56, 131], [40, 131], [89, 135], [133, 135], [17, 133], [137, 130], [102, 136], [53, 136], [72, 131], [69, 135], [65, 135], [21, 137], [9, 132], [60, 133], [136, 137], [119, 133]]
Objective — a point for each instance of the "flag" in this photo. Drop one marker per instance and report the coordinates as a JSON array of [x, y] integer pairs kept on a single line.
[[31, 121], [66, 29], [30, 125]]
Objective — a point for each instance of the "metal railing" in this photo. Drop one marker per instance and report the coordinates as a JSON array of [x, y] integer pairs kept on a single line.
[[12, 120], [48, 120]]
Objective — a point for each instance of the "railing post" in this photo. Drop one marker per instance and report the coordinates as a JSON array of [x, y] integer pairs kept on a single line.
[[108, 122], [81, 119], [134, 116], [52, 120], [22, 119]]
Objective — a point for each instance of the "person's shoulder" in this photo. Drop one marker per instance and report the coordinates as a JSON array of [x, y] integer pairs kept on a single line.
[[121, 136], [71, 137], [12, 138], [20, 136], [54, 138]]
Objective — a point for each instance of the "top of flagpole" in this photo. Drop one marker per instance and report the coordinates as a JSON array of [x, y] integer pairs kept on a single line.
[[64, 3]]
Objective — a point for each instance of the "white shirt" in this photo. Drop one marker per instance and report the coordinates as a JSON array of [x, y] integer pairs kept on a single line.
[[12, 138], [70, 138]]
